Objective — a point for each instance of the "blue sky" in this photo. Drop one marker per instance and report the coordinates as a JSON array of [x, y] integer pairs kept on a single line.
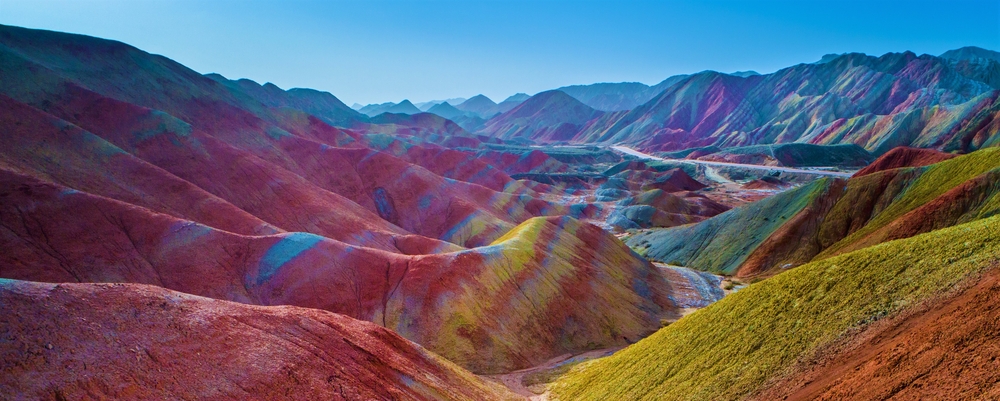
[[376, 51]]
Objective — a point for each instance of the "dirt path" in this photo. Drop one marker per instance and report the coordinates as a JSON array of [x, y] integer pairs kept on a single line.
[[515, 380], [817, 171], [714, 175]]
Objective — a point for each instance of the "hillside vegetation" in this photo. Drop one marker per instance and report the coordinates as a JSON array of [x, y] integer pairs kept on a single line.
[[731, 348], [833, 216], [722, 243]]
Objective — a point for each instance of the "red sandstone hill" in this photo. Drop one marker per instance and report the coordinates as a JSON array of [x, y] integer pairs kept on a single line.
[[767, 183], [122, 166], [904, 157], [129, 341], [565, 286]]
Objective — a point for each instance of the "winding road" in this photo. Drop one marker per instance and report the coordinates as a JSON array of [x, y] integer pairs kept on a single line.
[[818, 171]]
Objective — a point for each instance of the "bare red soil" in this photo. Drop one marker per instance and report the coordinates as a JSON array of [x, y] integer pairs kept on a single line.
[[904, 157], [957, 206], [768, 183], [949, 350]]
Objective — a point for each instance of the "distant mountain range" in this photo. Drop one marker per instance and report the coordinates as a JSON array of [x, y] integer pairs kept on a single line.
[[875, 102], [971, 53], [425, 106], [604, 96], [899, 99], [470, 113], [618, 96], [552, 115], [404, 107]]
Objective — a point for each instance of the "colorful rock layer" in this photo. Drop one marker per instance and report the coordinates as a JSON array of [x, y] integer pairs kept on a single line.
[[878, 103], [129, 341], [734, 348], [549, 286], [122, 166], [833, 216]]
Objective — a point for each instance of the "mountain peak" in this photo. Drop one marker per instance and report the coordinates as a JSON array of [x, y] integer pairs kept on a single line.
[[550, 115], [517, 97], [970, 53], [480, 105], [478, 101], [828, 58], [480, 97], [445, 110]]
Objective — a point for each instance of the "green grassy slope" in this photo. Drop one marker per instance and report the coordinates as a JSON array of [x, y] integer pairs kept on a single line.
[[827, 218], [932, 181], [722, 243], [729, 349]]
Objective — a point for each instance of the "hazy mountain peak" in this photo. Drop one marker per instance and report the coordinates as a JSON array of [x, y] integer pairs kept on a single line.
[[479, 105], [425, 106], [828, 58], [479, 99], [517, 97], [971, 52], [445, 110]]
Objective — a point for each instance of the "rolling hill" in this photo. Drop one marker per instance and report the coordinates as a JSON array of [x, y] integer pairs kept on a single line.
[[566, 285], [122, 166], [551, 116]]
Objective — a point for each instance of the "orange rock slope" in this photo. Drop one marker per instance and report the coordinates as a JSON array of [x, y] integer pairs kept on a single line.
[[946, 350]]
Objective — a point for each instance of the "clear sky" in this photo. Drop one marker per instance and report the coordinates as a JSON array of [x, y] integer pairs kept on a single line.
[[376, 51]]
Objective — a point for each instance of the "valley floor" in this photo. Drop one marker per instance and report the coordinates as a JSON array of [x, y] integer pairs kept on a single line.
[[819, 171], [692, 290], [515, 381]]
